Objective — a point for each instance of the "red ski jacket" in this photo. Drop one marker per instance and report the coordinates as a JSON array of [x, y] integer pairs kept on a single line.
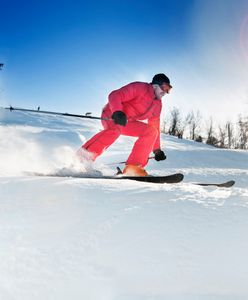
[[137, 100]]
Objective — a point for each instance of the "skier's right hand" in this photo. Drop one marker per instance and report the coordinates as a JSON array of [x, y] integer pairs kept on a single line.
[[159, 155], [119, 117]]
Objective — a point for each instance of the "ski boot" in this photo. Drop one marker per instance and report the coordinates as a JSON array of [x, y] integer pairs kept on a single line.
[[133, 170]]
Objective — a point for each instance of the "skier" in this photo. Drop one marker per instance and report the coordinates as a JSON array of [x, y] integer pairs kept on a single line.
[[127, 107]]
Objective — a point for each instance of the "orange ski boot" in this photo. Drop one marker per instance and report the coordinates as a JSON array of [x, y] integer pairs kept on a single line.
[[132, 170]]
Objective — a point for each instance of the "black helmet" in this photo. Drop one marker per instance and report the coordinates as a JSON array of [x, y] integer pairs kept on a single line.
[[160, 79]]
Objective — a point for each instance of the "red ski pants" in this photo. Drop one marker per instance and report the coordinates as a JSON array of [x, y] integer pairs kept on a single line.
[[142, 147]]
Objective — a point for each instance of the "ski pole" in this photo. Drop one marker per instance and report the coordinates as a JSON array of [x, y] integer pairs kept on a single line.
[[123, 162], [55, 113]]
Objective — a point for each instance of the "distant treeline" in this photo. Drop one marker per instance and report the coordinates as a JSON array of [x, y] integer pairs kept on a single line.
[[229, 135]]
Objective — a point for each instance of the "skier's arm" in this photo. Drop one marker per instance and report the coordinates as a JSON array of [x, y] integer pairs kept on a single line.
[[124, 94], [155, 122], [159, 154]]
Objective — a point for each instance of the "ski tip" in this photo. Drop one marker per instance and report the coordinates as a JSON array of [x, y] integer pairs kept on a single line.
[[228, 184], [179, 176]]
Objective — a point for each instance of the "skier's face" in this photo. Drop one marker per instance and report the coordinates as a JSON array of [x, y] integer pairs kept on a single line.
[[159, 93], [161, 90]]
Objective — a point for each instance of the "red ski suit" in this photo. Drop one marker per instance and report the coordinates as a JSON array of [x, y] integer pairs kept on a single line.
[[137, 100]]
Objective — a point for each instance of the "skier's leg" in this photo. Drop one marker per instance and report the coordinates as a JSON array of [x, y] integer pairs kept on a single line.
[[100, 142], [143, 146]]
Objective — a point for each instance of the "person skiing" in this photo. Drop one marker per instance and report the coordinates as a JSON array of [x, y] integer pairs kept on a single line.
[[124, 114]]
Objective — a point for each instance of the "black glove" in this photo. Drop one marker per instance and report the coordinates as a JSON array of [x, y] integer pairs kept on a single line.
[[119, 118], [159, 155]]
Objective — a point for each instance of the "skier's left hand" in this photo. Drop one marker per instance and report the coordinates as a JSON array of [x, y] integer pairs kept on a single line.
[[159, 155], [119, 117]]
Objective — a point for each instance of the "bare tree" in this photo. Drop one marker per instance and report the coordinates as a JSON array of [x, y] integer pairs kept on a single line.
[[193, 120], [222, 136], [163, 126], [230, 135], [243, 133], [175, 119], [211, 139], [226, 138]]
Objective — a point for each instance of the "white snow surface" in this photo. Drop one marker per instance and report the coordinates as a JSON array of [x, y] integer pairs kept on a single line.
[[75, 238]]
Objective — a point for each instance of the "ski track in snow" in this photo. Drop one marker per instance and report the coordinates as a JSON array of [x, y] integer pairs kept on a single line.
[[79, 238]]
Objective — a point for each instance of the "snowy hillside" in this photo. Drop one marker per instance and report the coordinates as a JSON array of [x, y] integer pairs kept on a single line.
[[67, 238]]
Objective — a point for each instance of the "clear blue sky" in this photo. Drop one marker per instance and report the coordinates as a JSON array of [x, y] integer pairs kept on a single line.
[[68, 55]]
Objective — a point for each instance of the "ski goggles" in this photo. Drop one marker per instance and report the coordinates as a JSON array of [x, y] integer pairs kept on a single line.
[[165, 87]]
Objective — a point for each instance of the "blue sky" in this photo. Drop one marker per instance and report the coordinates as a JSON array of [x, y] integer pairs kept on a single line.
[[69, 55]]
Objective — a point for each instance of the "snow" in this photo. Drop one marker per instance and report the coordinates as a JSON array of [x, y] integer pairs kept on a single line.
[[74, 238]]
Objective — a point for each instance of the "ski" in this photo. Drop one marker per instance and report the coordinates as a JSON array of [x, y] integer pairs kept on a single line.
[[226, 184], [173, 178]]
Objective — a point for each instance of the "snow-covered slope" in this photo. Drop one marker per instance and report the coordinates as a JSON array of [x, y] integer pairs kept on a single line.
[[67, 238]]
